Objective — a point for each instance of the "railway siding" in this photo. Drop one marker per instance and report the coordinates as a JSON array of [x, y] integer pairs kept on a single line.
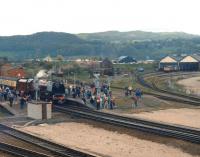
[[56, 149], [165, 94], [183, 133]]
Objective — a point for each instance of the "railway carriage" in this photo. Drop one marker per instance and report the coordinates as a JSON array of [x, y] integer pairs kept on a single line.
[[56, 92], [170, 68], [22, 84], [25, 84], [9, 82]]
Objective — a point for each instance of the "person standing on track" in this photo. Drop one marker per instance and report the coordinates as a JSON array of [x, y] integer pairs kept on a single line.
[[134, 104], [137, 96]]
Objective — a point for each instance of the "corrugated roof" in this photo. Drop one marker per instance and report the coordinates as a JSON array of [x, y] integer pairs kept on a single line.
[[168, 59], [196, 56], [122, 57], [48, 58], [189, 59]]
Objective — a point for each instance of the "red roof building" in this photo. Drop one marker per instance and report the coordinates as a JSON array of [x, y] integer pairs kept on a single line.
[[8, 70]]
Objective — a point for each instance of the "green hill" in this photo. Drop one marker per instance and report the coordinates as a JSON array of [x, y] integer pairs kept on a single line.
[[105, 44], [131, 36]]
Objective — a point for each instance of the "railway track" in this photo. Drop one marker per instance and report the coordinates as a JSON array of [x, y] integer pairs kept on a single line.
[[155, 86], [19, 151], [56, 149], [175, 131], [165, 94]]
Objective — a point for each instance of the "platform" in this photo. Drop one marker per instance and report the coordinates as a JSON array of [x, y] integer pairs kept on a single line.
[[15, 109], [79, 100]]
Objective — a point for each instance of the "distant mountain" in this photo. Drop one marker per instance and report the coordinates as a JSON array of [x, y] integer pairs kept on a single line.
[[138, 44], [131, 36], [38, 44]]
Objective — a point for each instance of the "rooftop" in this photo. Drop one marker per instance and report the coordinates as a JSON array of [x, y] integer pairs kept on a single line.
[[168, 59]]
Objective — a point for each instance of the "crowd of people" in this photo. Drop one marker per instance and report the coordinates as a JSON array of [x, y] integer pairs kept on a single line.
[[98, 97], [102, 97], [12, 95], [7, 95]]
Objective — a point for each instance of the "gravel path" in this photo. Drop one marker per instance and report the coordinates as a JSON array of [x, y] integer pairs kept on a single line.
[[113, 141], [192, 85], [182, 116]]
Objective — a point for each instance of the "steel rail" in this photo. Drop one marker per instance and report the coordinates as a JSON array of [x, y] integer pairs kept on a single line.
[[193, 98], [167, 94], [19, 151], [155, 129], [182, 128], [54, 148], [164, 96]]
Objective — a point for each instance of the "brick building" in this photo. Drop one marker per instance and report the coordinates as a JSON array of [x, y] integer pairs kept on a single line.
[[8, 70]]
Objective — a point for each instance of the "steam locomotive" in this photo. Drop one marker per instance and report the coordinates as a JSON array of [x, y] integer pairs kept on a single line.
[[48, 91]]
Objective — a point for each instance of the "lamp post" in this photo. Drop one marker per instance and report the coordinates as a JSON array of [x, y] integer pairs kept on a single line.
[[97, 82], [74, 79], [36, 86], [109, 81]]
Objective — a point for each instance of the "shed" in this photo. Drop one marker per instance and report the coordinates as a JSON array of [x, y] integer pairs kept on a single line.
[[106, 67], [190, 63], [168, 61], [126, 59]]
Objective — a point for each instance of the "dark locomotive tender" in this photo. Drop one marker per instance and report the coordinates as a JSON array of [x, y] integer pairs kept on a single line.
[[58, 93]]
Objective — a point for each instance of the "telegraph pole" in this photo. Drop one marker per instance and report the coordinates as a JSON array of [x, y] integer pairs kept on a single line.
[[36, 86]]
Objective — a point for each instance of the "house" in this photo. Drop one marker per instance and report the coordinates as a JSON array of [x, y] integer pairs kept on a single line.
[[106, 67]]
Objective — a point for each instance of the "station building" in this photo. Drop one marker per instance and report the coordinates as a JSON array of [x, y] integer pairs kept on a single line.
[[169, 62], [190, 63]]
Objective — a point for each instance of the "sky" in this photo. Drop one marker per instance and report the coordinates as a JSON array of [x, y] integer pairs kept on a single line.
[[86, 16]]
